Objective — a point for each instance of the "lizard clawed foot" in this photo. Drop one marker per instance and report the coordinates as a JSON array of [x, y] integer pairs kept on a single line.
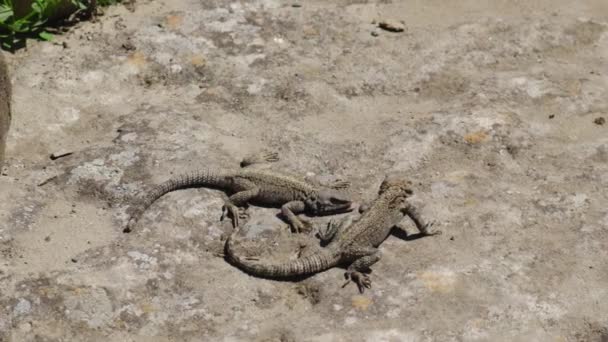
[[327, 233], [425, 230], [270, 156], [340, 184], [234, 212], [302, 226], [363, 281], [262, 157], [243, 214]]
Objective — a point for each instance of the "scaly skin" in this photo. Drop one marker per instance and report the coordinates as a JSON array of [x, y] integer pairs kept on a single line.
[[294, 196], [355, 245]]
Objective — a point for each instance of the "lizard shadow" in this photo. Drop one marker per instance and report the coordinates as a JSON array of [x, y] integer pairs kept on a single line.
[[403, 235]]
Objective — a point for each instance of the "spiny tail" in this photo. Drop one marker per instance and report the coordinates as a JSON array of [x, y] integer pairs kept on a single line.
[[191, 180], [313, 263]]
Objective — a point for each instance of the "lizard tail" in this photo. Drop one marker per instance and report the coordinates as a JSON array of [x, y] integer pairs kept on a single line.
[[313, 263], [191, 180]]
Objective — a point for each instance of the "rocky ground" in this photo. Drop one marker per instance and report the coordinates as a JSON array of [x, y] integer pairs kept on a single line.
[[496, 109]]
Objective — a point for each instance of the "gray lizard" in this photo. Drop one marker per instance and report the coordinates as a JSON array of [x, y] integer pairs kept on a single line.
[[293, 195], [355, 245]]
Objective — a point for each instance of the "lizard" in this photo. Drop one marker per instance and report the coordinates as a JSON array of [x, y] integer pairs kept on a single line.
[[292, 195], [355, 245]]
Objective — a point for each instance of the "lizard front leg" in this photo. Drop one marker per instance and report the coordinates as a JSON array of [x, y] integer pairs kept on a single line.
[[362, 264], [289, 211], [423, 227], [338, 184], [259, 158], [239, 199]]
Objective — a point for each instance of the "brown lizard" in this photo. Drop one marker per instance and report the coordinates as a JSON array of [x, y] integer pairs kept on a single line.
[[355, 245], [293, 195]]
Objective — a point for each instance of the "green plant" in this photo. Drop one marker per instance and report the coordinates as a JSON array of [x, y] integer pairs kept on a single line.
[[15, 28]]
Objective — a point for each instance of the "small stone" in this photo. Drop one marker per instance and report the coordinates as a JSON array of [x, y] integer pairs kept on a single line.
[[375, 34], [599, 121], [74, 260], [48, 238], [551, 116], [296, 5], [23, 307], [392, 25], [128, 46], [60, 154]]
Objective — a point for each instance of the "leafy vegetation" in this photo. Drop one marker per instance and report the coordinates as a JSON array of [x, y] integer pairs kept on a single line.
[[16, 27]]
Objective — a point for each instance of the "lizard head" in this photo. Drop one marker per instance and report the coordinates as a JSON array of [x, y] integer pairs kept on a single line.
[[398, 183], [397, 188], [329, 201]]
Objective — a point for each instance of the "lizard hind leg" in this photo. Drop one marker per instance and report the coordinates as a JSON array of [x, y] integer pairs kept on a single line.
[[236, 213], [260, 157], [239, 199], [355, 271]]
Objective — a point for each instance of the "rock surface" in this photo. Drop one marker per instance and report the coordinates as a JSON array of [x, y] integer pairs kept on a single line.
[[488, 105]]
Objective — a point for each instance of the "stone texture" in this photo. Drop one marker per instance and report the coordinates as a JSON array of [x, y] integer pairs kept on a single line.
[[461, 100]]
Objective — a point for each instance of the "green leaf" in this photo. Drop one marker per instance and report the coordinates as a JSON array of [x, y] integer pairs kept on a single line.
[[36, 7], [18, 25], [5, 13], [45, 36], [81, 5]]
